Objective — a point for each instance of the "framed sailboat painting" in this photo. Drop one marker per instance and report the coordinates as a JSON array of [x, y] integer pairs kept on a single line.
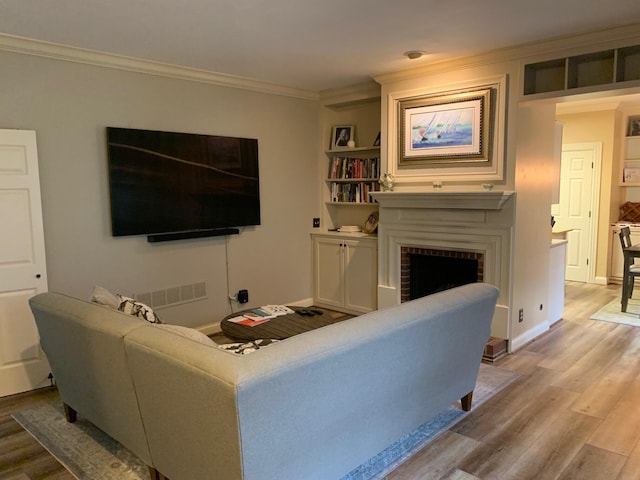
[[445, 128]]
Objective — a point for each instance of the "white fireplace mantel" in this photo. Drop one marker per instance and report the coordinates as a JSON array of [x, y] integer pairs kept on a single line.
[[446, 199], [475, 221]]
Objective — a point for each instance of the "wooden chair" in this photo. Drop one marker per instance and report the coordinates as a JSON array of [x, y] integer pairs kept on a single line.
[[634, 269]]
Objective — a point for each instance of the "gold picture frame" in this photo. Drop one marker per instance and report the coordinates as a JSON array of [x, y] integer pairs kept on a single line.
[[445, 128]]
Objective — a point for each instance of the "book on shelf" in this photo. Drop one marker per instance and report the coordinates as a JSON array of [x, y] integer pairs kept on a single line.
[[345, 168], [353, 192]]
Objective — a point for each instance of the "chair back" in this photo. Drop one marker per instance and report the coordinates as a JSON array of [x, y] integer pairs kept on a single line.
[[625, 237]]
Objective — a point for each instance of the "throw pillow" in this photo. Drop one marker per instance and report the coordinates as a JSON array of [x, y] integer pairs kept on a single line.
[[190, 333], [250, 347], [138, 309], [102, 296]]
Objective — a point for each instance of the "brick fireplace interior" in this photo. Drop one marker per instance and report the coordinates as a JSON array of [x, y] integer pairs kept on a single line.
[[424, 271]]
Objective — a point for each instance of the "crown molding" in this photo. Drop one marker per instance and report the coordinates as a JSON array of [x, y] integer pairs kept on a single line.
[[350, 95], [28, 46], [540, 50]]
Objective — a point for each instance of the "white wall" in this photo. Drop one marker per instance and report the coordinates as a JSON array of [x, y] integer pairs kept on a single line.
[[70, 104]]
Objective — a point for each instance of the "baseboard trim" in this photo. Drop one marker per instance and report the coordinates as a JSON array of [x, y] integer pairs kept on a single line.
[[528, 336], [210, 328]]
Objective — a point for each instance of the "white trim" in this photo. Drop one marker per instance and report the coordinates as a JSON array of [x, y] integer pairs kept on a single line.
[[27, 46], [601, 281], [421, 177], [531, 334], [210, 328]]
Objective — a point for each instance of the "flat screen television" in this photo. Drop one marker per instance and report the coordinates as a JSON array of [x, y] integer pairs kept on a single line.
[[172, 183]]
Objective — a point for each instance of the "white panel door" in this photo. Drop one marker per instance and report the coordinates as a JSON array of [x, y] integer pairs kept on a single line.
[[575, 210], [22, 263]]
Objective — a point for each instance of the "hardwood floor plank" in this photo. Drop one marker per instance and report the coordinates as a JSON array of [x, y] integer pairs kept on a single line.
[[631, 466], [458, 475], [552, 451], [506, 442], [591, 367], [437, 461], [506, 405], [619, 432], [598, 399], [594, 464]]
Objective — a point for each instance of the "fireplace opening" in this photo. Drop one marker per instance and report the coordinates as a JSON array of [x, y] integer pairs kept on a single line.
[[432, 274], [425, 271]]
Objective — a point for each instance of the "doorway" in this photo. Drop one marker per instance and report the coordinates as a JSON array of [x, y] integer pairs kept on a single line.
[[577, 210]]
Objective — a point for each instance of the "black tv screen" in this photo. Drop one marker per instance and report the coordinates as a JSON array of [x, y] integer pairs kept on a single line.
[[166, 182]]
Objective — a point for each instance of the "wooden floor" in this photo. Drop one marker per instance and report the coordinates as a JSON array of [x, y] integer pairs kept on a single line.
[[573, 414]]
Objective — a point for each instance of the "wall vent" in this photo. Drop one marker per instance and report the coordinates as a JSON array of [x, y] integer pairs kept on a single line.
[[174, 295]]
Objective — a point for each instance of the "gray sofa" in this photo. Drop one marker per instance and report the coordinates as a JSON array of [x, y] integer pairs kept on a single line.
[[313, 406]]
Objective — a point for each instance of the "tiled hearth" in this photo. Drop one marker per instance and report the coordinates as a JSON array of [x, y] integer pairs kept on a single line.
[[476, 223]]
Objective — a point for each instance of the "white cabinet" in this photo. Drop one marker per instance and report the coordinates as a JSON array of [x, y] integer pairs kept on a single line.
[[616, 261], [557, 267], [345, 272]]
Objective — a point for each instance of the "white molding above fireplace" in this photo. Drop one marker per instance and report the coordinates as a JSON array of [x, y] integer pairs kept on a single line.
[[463, 199]]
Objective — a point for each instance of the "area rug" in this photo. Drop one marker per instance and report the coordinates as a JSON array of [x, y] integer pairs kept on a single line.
[[611, 313], [90, 454]]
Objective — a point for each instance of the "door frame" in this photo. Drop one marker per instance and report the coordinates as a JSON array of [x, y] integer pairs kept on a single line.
[[594, 201]]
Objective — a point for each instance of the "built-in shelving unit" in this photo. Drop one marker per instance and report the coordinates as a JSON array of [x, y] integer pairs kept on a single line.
[[353, 174], [349, 174], [631, 162], [562, 75]]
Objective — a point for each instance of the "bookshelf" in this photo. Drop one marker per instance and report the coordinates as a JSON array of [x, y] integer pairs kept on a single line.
[[631, 162], [352, 175]]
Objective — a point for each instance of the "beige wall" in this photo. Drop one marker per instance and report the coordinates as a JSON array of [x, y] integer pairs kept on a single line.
[[70, 104]]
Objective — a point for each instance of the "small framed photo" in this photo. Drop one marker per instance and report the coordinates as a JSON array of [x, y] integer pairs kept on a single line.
[[340, 136], [634, 127]]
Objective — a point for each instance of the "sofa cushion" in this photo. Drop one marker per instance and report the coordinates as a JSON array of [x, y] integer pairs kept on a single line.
[[187, 332], [249, 347], [133, 307], [102, 296]]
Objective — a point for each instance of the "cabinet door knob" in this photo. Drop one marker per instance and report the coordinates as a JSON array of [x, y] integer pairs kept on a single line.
[[38, 275]]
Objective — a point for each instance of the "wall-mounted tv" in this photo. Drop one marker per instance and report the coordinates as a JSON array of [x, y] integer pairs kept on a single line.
[[181, 183]]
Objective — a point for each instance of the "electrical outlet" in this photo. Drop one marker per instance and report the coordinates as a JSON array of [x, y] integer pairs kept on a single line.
[[521, 315], [316, 223]]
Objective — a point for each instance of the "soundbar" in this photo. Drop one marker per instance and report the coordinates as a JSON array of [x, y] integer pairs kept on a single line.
[[167, 237]]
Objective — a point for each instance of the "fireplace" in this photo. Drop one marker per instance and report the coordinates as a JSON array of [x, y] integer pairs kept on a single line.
[[472, 230], [424, 271]]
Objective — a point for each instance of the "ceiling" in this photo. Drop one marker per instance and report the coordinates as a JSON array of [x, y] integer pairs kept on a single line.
[[306, 44]]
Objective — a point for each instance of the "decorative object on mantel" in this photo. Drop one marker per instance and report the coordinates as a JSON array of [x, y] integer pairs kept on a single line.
[[351, 144], [487, 186], [437, 185], [387, 181]]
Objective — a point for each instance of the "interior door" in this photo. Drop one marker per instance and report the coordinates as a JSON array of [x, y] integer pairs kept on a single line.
[[576, 210], [22, 263]]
